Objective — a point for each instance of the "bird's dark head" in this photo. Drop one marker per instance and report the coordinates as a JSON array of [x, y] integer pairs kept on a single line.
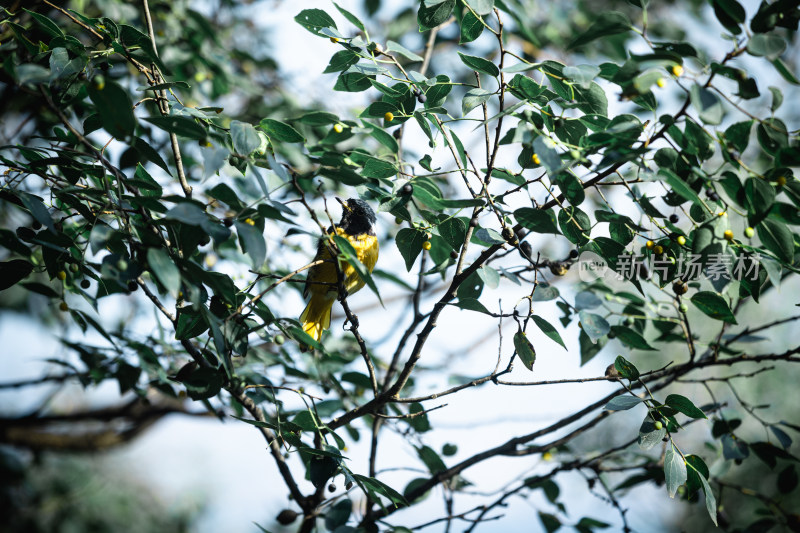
[[357, 216]]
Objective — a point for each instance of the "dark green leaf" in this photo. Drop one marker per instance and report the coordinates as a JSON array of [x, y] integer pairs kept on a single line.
[[684, 405], [409, 243], [714, 305], [314, 20], [253, 243], [162, 266], [179, 125], [631, 338], [115, 109], [430, 17], [471, 28], [12, 272], [280, 131], [524, 349], [537, 220], [479, 64], [626, 369], [778, 239], [548, 329]]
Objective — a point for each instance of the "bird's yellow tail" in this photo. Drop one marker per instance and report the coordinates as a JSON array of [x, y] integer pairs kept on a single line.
[[316, 316]]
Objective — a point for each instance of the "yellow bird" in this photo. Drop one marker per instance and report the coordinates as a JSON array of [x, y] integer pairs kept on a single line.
[[358, 227]]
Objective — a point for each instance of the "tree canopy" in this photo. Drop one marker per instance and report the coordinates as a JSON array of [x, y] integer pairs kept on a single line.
[[581, 182]]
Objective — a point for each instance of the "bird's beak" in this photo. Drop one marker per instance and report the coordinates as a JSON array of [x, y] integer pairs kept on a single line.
[[344, 204]]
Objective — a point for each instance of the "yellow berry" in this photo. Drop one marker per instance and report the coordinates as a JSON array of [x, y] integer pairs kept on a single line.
[[658, 425], [63, 306], [211, 260], [535, 159], [334, 39], [388, 116], [658, 250], [426, 245], [723, 214], [338, 128], [749, 232], [661, 83], [61, 275], [728, 235], [681, 240], [677, 71], [250, 221], [547, 456], [781, 181], [649, 245]]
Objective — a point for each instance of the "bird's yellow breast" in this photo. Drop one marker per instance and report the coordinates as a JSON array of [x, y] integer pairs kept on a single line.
[[366, 247]]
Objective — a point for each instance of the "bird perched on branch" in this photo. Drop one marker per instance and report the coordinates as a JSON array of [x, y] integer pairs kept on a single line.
[[358, 227]]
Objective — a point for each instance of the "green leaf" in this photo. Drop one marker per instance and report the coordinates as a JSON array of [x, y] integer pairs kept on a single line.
[[481, 7], [164, 268], [537, 220], [115, 109], [479, 64], [575, 225], [179, 125], [708, 105], [280, 131], [626, 369], [354, 20], [714, 305], [582, 74], [778, 239], [679, 186], [543, 147], [245, 138], [253, 243], [374, 486], [622, 403], [314, 20], [471, 304], [684, 405], [711, 501], [473, 99], [430, 17], [608, 23], [341, 60], [674, 471], [730, 13], [759, 196], [350, 255], [550, 522], [767, 45], [190, 325], [14, 271], [393, 46], [649, 436], [548, 330], [409, 243], [524, 349], [47, 24], [594, 325], [471, 28], [631, 338], [37, 210], [203, 383], [453, 231]]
